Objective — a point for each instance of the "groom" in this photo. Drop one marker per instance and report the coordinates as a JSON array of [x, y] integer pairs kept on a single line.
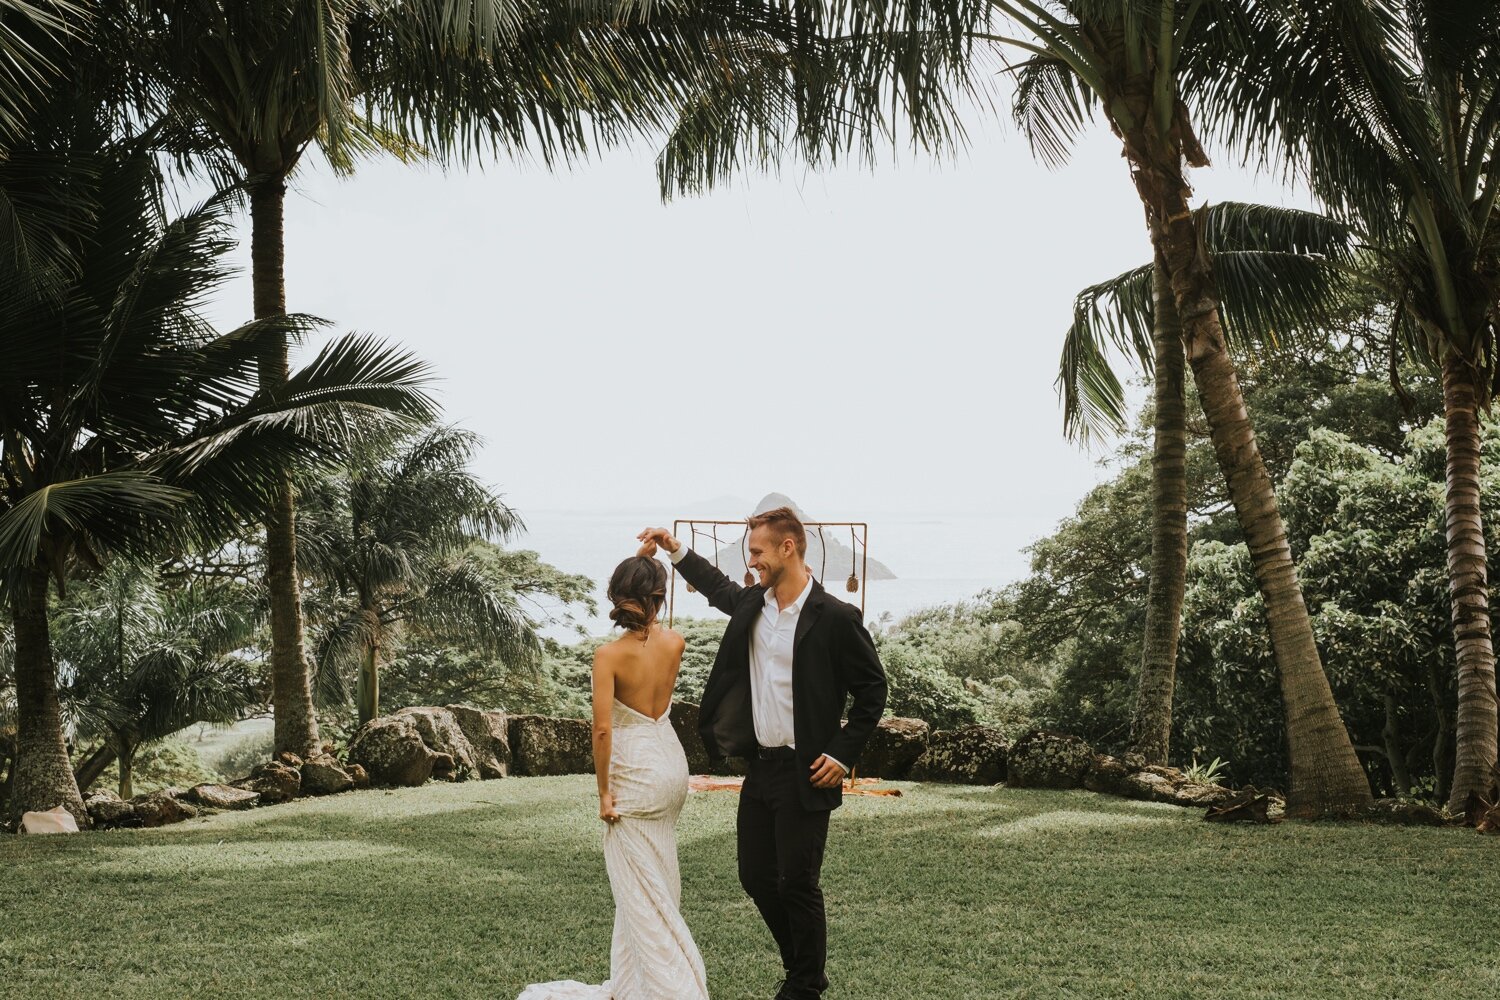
[[790, 658]]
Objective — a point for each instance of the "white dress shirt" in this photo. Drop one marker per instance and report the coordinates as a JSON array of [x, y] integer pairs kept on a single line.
[[771, 642]]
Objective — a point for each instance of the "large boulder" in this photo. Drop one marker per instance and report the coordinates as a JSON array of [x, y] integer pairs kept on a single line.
[[274, 781], [1107, 775], [216, 796], [443, 735], [324, 775], [1043, 759], [893, 748], [392, 752], [1132, 778], [542, 745], [1404, 812], [161, 808], [972, 755], [107, 809], [489, 739]]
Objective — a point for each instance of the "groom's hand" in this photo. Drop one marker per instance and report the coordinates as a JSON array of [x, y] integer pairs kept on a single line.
[[826, 773], [659, 536]]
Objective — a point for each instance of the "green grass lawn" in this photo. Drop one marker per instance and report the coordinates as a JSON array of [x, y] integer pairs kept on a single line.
[[474, 890]]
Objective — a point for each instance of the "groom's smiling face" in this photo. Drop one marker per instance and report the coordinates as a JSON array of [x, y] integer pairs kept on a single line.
[[769, 551]]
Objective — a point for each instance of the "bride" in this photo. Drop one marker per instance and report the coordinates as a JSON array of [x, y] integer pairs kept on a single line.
[[643, 782]]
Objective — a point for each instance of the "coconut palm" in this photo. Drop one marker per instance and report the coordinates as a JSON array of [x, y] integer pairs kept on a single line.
[[129, 426], [1391, 111], [255, 84], [841, 81], [1280, 273], [392, 536], [142, 662], [32, 36], [1132, 63]]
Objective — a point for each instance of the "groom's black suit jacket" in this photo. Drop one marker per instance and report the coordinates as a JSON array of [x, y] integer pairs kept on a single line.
[[832, 658]]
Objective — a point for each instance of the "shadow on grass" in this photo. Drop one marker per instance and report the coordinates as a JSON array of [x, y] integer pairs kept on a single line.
[[946, 892]]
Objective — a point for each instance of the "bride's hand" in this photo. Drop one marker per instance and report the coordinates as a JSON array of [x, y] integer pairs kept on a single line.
[[607, 810], [648, 549]]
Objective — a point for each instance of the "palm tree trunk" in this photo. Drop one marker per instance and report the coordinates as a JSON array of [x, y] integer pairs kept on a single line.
[[127, 771], [1468, 589], [296, 720], [93, 766], [1326, 776], [43, 775], [368, 693], [1152, 726]]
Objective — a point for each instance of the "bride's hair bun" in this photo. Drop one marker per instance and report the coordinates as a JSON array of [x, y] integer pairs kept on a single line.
[[637, 589]]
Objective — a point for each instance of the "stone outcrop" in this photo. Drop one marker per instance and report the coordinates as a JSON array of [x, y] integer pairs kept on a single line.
[[489, 739], [1132, 778], [443, 735], [541, 745], [216, 796], [1404, 812], [1043, 759], [893, 748], [358, 775], [324, 775], [161, 808], [972, 755], [275, 781], [107, 810], [392, 752]]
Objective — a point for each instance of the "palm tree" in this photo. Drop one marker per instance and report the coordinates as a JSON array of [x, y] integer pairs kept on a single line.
[[129, 426], [1392, 113], [840, 80], [32, 36], [1133, 62], [393, 536], [144, 662], [256, 83], [1281, 273]]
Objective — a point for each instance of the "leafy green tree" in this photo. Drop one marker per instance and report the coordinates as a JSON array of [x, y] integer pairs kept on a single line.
[[920, 687], [1394, 124], [1371, 532], [130, 426], [393, 535], [142, 662]]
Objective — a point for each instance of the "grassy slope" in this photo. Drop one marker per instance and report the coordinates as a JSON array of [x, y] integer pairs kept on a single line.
[[475, 890]]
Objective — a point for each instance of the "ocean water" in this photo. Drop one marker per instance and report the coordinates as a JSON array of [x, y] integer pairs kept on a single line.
[[937, 558]]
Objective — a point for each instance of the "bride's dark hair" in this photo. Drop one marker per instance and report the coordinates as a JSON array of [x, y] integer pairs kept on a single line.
[[637, 589]]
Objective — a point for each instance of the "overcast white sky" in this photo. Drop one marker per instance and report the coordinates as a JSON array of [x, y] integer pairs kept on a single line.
[[863, 341]]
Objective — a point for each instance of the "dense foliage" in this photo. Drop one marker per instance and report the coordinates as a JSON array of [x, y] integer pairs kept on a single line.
[[1359, 471]]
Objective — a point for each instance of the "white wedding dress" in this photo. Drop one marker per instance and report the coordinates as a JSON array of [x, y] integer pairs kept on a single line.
[[652, 955]]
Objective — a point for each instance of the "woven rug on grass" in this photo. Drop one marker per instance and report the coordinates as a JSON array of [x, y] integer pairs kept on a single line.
[[714, 783]]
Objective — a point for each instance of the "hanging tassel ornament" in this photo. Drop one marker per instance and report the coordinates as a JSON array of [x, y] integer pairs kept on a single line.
[[853, 585]]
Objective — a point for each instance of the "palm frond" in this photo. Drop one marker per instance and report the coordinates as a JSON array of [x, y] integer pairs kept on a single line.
[[121, 510]]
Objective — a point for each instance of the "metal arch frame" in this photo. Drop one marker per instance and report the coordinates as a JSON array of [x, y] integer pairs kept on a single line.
[[863, 527]]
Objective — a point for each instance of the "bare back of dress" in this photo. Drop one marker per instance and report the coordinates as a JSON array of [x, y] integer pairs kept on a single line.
[[652, 954]]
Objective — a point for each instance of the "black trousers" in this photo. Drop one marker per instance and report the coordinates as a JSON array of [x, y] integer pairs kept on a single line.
[[781, 857]]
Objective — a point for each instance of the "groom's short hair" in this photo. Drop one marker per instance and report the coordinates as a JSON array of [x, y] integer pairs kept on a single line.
[[785, 523]]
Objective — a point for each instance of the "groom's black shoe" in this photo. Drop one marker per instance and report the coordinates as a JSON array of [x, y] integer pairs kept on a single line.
[[782, 993]]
